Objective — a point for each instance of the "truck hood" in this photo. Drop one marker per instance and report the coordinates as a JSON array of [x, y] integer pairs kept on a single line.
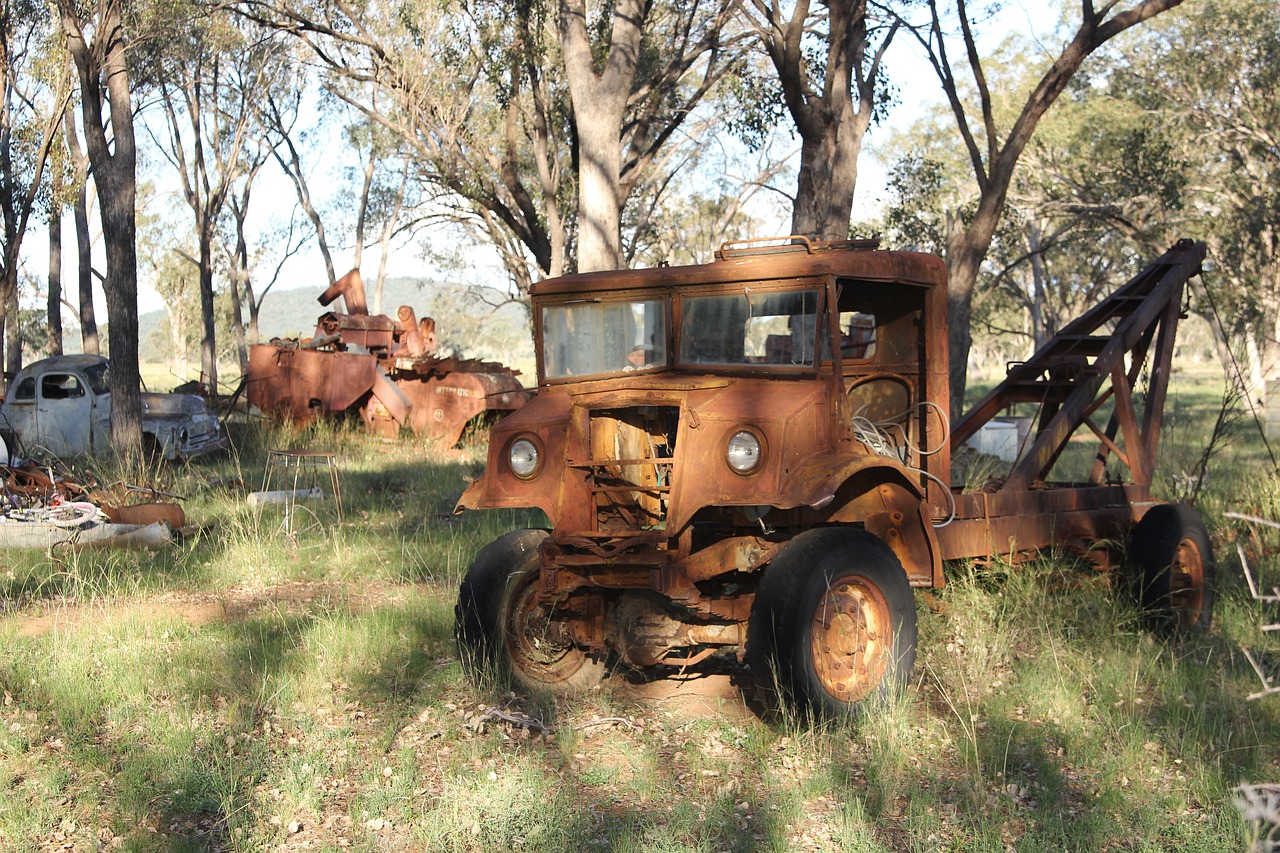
[[161, 405]]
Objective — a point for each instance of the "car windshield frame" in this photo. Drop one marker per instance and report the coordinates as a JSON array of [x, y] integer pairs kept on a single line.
[[753, 327], [594, 337]]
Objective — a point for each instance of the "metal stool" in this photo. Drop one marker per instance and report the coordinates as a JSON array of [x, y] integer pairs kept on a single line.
[[301, 468]]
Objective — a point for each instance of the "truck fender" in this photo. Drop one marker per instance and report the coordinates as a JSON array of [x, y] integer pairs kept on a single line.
[[885, 499]]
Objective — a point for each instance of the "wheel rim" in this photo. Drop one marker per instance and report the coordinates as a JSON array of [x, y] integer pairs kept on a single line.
[[534, 644], [850, 640], [1186, 583]]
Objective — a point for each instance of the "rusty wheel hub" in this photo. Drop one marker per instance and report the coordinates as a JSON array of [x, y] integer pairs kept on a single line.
[[535, 643], [1186, 583], [850, 638]]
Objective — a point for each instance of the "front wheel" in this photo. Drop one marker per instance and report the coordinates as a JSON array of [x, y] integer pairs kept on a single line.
[[833, 626], [504, 632], [1170, 568]]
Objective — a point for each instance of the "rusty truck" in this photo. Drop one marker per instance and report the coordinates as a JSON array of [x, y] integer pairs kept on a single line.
[[751, 460], [389, 372]]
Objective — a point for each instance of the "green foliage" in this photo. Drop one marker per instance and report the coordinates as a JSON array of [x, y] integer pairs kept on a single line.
[[754, 102]]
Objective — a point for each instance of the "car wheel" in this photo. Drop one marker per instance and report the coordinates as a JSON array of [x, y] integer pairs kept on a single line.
[[1170, 569], [833, 626], [503, 631]]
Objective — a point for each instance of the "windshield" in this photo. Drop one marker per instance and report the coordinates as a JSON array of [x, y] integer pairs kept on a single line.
[[99, 378], [766, 327], [589, 338]]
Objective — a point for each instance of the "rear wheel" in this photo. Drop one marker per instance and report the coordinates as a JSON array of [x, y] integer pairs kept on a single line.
[[833, 626], [1170, 568], [503, 631]]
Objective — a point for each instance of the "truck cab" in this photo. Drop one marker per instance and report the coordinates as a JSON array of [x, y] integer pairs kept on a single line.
[[692, 426]]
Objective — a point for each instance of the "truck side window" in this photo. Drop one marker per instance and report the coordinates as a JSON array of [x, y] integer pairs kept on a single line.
[[27, 390], [60, 386], [857, 335]]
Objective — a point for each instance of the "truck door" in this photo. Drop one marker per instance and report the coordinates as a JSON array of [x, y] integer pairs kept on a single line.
[[63, 415]]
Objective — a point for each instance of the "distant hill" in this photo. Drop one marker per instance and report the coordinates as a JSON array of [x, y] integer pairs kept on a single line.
[[466, 320]]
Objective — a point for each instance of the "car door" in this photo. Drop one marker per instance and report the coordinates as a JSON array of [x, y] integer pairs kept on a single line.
[[63, 415]]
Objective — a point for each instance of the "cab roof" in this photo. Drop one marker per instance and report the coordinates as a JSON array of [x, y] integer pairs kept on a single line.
[[757, 260]]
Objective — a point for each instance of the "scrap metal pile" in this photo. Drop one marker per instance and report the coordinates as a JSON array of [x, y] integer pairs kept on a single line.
[[386, 370], [40, 508]]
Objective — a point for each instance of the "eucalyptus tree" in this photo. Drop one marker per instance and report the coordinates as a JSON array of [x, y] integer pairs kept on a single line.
[[993, 154], [631, 90], [34, 92], [829, 60], [53, 293], [209, 74], [1209, 77], [1098, 190], [528, 123], [98, 41]]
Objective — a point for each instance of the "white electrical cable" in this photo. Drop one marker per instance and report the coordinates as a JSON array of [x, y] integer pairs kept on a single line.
[[878, 439]]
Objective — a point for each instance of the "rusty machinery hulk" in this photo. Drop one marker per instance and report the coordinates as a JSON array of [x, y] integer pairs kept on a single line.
[[386, 370], [751, 458]]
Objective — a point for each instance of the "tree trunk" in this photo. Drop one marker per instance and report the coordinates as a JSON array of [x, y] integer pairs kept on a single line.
[[119, 233], [54, 302], [599, 205], [599, 103], [1041, 317], [84, 245], [208, 321], [13, 344], [240, 288], [828, 177], [237, 324], [830, 125], [964, 260], [114, 169]]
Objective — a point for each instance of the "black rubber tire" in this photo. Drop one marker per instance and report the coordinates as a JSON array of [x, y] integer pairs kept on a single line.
[[801, 587], [494, 646], [1170, 569]]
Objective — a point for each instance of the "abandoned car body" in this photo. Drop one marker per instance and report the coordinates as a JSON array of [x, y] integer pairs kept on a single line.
[[752, 458], [62, 406]]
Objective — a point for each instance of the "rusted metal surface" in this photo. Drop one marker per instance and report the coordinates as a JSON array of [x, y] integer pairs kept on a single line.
[[387, 371], [689, 425], [1097, 359], [851, 638]]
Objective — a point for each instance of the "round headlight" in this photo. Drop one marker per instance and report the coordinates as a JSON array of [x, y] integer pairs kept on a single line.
[[523, 458], [743, 451]]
